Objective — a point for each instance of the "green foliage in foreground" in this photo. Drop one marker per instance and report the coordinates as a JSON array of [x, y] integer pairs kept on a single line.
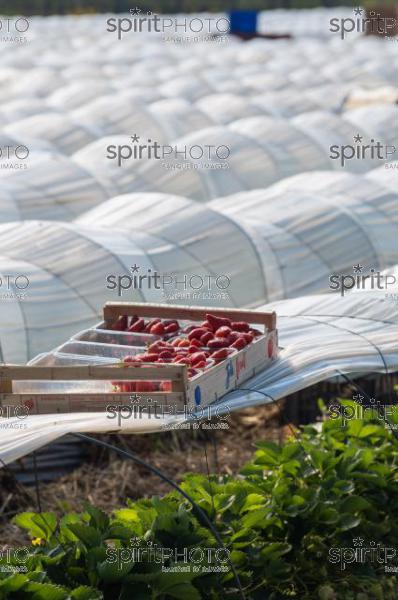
[[279, 520]]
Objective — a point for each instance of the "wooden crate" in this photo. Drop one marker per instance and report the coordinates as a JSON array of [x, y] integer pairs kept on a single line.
[[201, 390]]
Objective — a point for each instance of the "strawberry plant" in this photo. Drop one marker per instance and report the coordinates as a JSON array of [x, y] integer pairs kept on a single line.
[[298, 522]]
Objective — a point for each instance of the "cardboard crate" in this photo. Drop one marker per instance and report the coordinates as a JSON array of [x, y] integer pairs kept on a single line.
[[201, 390]]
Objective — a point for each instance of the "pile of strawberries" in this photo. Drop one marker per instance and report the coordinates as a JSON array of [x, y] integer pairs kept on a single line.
[[154, 326], [198, 347]]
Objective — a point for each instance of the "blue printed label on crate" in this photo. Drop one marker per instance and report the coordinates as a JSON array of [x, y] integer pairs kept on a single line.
[[198, 395]]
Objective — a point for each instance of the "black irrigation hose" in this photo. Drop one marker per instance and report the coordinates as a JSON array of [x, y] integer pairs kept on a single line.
[[211, 494], [37, 487], [201, 515]]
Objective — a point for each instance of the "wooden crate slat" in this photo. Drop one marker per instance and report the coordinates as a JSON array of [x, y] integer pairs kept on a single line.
[[112, 310], [53, 403], [84, 372]]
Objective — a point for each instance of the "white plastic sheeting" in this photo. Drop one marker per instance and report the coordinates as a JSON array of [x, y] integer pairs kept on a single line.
[[67, 268], [302, 229], [281, 242], [86, 61], [52, 186], [386, 175], [334, 220], [320, 337], [278, 105], [69, 264], [259, 151]]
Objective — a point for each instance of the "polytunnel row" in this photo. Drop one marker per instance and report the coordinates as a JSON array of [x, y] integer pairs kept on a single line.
[[119, 63], [86, 62], [261, 151], [81, 91], [274, 105], [162, 119], [266, 254]]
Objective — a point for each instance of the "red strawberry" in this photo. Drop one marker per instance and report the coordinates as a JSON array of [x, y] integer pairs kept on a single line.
[[223, 332], [192, 349], [240, 326], [239, 343], [159, 346], [189, 328], [235, 335], [198, 357], [249, 337], [183, 361], [137, 326], [220, 354], [184, 343], [175, 341], [255, 332], [200, 365], [172, 328], [129, 359], [218, 343], [206, 325], [217, 322], [150, 324], [168, 322], [145, 386], [157, 329], [196, 343], [196, 333], [148, 357], [123, 386], [206, 338], [166, 354], [165, 386]]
